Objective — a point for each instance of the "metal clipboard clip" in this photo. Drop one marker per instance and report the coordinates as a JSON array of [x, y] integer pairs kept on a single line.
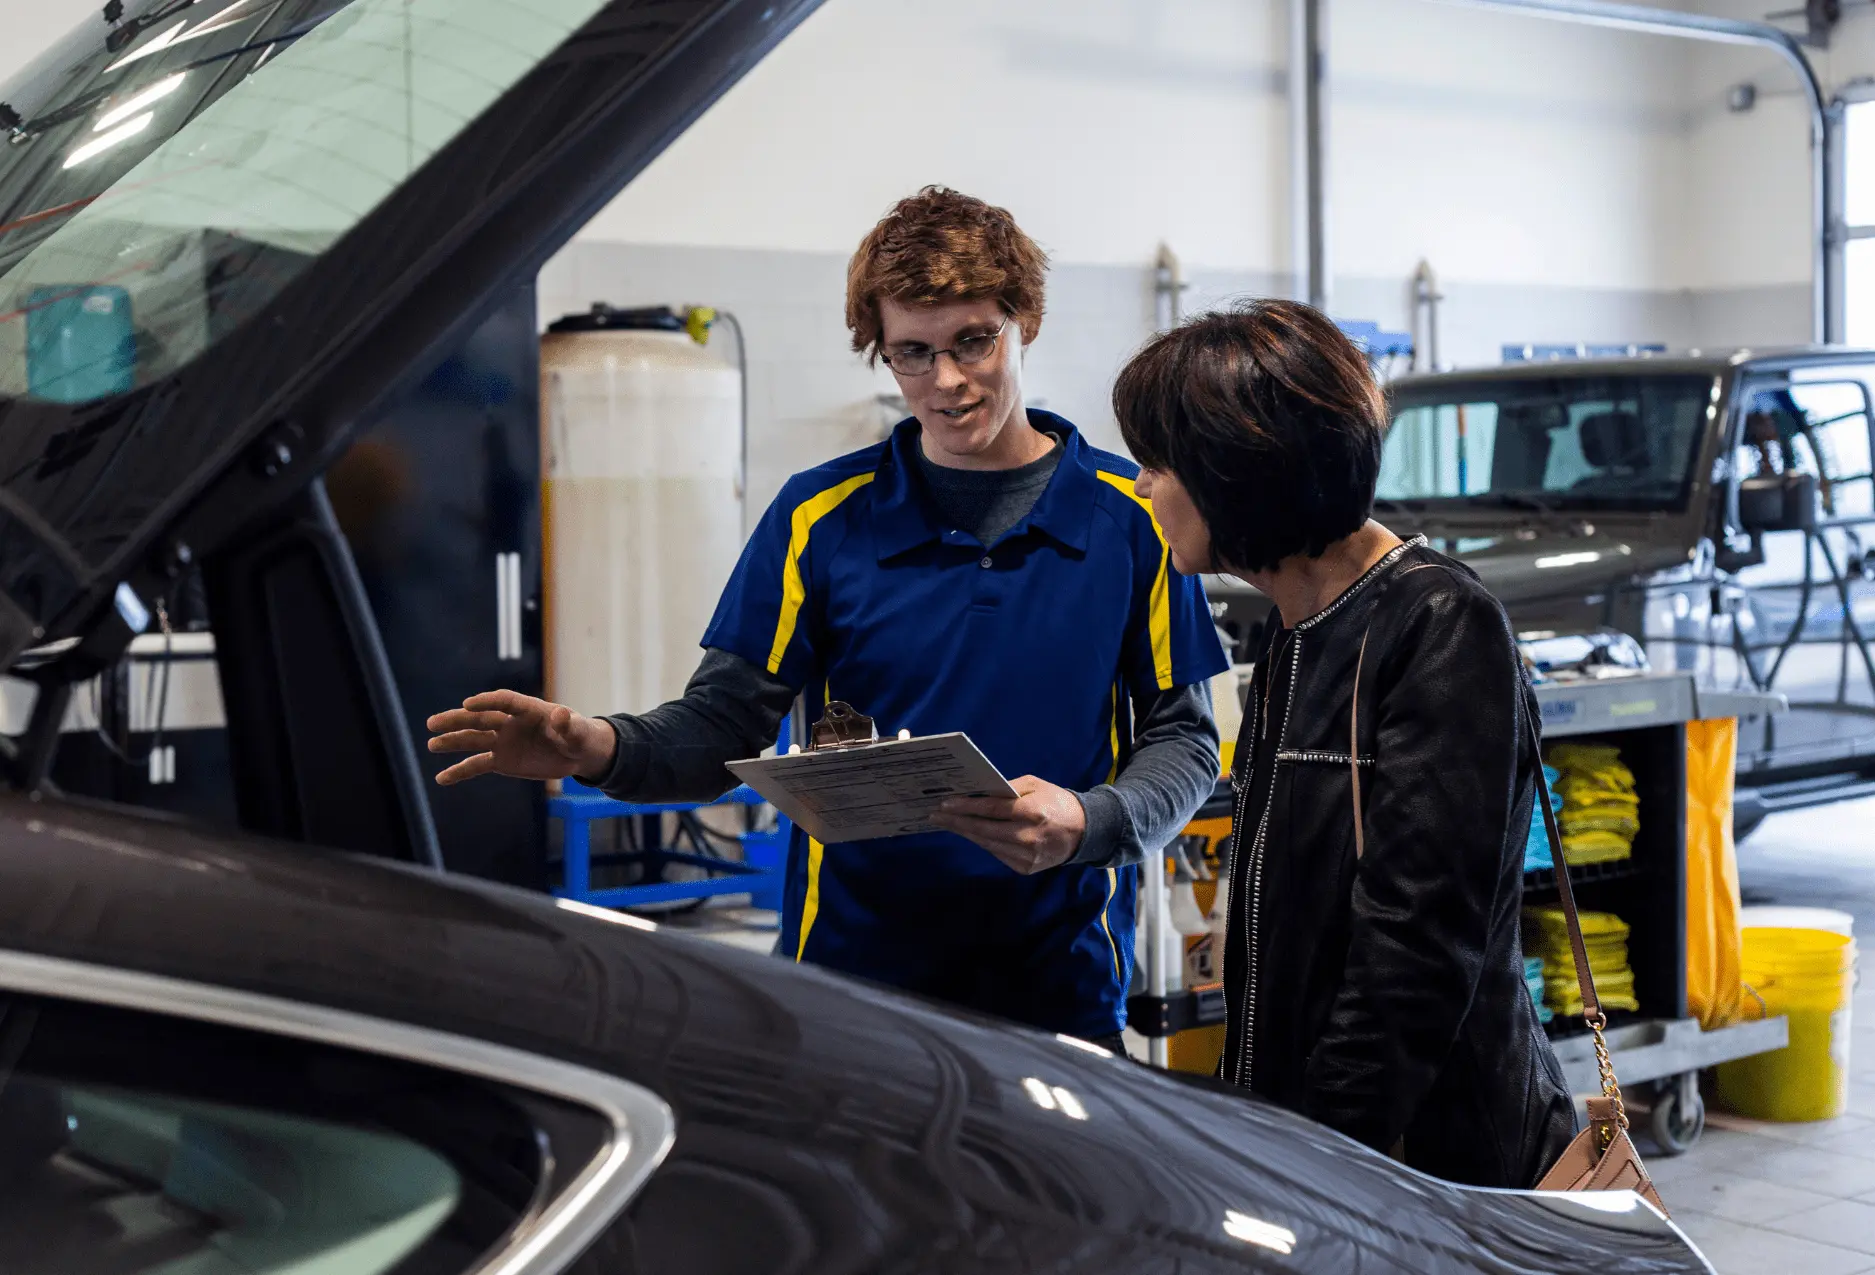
[[841, 726]]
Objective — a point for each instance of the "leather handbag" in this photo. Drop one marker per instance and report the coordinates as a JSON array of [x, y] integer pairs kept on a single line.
[[1602, 1157]]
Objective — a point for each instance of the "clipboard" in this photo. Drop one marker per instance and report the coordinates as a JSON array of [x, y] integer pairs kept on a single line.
[[849, 785]]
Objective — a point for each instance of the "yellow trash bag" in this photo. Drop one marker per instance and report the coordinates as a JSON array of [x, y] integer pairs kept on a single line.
[[1713, 942]]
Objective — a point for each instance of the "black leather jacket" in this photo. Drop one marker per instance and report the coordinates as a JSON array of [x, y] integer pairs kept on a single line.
[[1385, 997]]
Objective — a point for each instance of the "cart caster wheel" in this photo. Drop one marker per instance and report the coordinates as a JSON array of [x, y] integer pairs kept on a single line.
[[1677, 1123]]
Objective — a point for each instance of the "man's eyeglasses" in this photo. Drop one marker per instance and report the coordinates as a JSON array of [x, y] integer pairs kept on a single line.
[[917, 360]]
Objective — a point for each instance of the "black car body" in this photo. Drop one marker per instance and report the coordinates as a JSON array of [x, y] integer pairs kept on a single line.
[[1719, 510], [219, 1035]]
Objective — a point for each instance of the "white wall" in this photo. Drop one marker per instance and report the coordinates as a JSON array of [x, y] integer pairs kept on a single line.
[[1506, 149], [31, 25], [1106, 125], [1747, 211]]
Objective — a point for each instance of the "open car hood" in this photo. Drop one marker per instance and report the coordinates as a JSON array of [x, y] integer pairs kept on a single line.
[[310, 198]]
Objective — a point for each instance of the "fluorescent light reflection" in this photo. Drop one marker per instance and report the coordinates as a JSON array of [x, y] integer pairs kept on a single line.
[[1087, 1046], [606, 914], [1569, 559], [1607, 1201], [1054, 1098], [138, 102], [98, 145], [155, 45], [1241, 1226]]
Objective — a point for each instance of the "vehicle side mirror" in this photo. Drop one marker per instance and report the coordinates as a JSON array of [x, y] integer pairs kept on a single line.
[[1777, 502], [1735, 553]]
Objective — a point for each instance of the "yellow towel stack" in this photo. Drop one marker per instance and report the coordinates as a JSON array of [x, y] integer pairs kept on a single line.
[[1600, 813], [1546, 934]]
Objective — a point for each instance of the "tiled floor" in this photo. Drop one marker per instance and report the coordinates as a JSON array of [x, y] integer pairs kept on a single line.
[[1758, 1198], [1770, 1199]]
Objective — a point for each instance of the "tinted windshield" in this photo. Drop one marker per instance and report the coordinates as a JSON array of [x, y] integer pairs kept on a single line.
[[172, 164], [1568, 442]]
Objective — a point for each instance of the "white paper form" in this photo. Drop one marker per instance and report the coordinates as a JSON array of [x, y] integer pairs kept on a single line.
[[886, 789]]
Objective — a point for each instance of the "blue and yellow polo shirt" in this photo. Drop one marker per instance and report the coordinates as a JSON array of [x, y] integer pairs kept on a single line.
[[1039, 647]]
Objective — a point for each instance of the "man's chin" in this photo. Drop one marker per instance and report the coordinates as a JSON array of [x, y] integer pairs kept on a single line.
[[969, 439]]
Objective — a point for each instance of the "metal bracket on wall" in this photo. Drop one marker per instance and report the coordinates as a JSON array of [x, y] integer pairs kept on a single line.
[[1819, 18]]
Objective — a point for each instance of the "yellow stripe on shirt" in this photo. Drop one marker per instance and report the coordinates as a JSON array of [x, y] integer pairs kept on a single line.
[[811, 907], [1159, 617], [793, 587], [1113, 886], [1113, 735]]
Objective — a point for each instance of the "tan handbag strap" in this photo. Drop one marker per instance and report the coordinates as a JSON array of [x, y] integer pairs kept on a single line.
[[1591, 1003]]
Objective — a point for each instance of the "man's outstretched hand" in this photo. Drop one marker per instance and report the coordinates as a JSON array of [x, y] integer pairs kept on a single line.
[[1038, 828], [520, 736]]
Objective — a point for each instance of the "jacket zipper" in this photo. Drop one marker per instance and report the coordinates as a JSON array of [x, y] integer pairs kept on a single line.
[[1251, 875], [1319, 758]]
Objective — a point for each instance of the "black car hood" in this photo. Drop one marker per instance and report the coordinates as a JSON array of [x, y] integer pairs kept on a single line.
[[868, 1130], [123, 488]]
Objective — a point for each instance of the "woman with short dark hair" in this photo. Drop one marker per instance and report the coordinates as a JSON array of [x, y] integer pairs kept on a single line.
[[1385, 771]]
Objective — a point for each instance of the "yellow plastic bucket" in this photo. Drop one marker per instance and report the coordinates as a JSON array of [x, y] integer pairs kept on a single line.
[[1808, 976]]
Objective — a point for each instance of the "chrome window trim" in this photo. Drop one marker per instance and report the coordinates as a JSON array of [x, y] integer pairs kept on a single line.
[[643, 1125]]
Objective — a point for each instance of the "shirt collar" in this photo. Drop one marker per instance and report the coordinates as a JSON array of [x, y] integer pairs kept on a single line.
[[903, 518]]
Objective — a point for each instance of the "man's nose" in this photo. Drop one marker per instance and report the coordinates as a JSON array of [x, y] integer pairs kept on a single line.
[[1142, 485], [948, 375]]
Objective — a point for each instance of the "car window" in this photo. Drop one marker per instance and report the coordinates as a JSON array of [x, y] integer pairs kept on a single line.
[[125, 1180], [171, 171], [1821, 429], [135, 1143], [1573, 442]]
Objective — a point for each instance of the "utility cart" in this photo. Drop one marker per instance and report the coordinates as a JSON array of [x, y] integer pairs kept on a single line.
[[1658, 1049]]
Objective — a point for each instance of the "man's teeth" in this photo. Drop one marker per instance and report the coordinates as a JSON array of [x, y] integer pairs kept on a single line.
[[956, 411]]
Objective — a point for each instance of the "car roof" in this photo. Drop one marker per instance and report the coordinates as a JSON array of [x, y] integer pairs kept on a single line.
[[1702, 363]]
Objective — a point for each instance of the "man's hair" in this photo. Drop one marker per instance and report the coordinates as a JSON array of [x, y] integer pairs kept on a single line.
[[939, 246], [1271, 419]]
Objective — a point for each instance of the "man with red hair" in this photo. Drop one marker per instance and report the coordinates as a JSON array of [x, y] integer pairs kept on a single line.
[[984, 570]]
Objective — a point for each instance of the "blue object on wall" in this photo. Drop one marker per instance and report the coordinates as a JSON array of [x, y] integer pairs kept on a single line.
[[1375, 343], [80, 344]]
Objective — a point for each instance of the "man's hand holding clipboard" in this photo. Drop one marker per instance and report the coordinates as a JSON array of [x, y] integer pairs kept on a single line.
[[849, 785]]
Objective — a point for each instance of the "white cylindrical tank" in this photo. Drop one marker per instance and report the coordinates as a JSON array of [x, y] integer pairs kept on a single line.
[[641, 431]]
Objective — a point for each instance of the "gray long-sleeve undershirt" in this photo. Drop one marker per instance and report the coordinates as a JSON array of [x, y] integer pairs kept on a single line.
[[733, 710]]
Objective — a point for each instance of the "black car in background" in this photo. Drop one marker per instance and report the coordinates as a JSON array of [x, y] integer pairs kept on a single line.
[[1720, 511]]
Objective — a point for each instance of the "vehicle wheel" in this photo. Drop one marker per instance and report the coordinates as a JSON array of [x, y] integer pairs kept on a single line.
[[1676, 1123]]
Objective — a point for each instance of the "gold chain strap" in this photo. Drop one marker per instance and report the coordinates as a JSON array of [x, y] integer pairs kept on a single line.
[[1611, 1089]]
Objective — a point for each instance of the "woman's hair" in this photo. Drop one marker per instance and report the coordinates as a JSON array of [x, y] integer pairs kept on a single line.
[[939, 246], [1269, 416]]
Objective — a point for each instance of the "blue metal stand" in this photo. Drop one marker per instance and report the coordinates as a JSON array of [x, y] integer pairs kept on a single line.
[[757, 875]]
